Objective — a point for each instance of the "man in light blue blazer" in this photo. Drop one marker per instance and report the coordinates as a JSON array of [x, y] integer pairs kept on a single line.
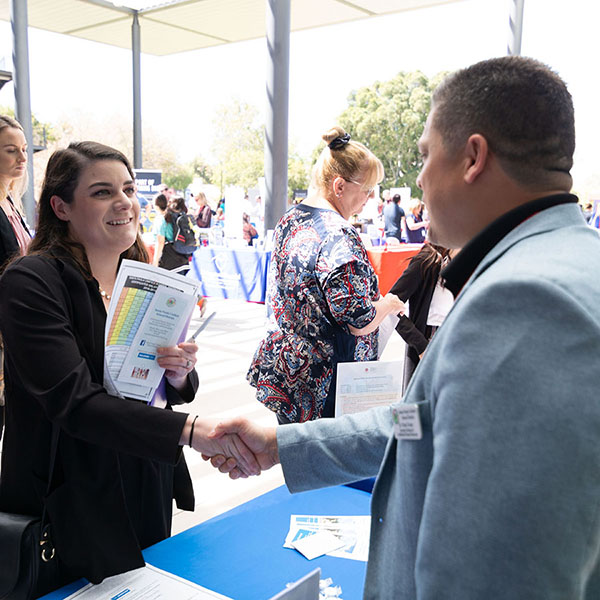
[[489, 485]]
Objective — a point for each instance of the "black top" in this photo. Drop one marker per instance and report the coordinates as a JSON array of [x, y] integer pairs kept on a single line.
[[463, 266], [114, 487], [416, 285], [9, 246]]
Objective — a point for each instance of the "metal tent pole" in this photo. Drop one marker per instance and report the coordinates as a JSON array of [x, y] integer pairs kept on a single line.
[[137, 92], [18, 20], [276, 126], [516, 28]]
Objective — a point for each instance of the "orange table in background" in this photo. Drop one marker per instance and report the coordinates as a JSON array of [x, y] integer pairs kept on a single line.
[[389, 262]]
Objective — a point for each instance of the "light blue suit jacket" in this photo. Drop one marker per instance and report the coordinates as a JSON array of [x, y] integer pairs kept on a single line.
[[501, 497]]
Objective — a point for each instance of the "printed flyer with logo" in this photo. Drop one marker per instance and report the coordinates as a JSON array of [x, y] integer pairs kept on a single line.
[[150, 308]]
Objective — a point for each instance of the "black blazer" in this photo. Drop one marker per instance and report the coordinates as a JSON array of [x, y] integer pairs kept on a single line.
[[417, 286], [112, 493], [9, 246]]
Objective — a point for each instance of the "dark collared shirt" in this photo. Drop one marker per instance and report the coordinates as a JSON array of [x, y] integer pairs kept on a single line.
[[464, 264]]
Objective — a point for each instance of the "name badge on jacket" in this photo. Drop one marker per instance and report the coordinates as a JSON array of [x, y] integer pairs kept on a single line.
[[407, 422]]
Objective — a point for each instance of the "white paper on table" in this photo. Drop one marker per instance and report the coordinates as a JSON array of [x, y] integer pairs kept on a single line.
[[317, 544], [132, 318], [386, 328], [364, 385], [352, 531], [146, 583]]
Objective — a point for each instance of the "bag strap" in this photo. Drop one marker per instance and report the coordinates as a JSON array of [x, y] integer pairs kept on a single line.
[[47, 547]]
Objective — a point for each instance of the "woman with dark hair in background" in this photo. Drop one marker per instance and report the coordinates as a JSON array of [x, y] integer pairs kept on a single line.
[[14, 234], [164, 228], [114, 476], [324, 295], [428, 302]]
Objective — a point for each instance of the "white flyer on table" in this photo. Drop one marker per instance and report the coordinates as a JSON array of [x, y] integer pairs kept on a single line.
[[352, 532], [147, 583], [149, 308], [364, 385]]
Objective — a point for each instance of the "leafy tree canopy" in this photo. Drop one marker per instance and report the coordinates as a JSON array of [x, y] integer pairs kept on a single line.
[[388, 117], [238, 145]]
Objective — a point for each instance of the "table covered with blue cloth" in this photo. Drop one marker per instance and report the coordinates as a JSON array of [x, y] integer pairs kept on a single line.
[[240, 553], [234, 273]]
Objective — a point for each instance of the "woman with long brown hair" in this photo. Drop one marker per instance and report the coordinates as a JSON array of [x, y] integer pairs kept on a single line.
[[428, 302], [118, 461]]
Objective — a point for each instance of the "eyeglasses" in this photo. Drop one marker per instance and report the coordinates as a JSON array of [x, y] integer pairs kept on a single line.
[[368, 191]]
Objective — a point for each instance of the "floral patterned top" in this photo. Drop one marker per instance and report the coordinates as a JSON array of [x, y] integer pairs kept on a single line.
[[320, 282]]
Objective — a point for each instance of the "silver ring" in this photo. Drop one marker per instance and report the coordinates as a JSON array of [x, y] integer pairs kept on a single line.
[[189, 362]]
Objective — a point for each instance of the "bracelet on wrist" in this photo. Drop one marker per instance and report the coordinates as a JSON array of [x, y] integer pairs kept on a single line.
[[192, 431]]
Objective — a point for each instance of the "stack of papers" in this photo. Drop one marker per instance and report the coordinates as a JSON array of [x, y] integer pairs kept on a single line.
[[344, 537], [147, 583]]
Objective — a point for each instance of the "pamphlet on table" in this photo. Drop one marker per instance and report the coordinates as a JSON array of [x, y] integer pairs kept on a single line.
[[150, 307], [147, 583], [364, 385], [352, 533]]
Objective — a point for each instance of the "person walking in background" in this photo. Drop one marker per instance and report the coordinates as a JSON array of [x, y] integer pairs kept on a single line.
[[422, 286], [118, 462], [204, 212], [14, 234], [165, 255], [394, 220], [248, 230], [323, 292], [416, 226]]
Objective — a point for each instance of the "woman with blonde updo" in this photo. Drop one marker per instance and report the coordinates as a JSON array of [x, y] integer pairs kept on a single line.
[[323, 292]]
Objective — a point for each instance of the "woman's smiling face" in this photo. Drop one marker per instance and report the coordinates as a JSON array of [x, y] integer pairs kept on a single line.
[[104, 213]]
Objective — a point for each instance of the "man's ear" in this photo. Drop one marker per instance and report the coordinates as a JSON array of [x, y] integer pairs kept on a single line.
[[61, 209], [477, 155]]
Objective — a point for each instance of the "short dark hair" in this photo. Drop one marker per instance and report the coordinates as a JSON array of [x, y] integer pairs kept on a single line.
[[62, 176], [396, 198], [161, 201], [521, 107]]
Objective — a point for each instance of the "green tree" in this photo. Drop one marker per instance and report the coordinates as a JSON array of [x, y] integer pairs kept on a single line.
[[238, 145], [388, 117], [42, 132], [178, 176], [298, 173], [202, 169]]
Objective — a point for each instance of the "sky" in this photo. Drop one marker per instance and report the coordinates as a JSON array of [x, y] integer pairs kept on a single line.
[[180, 93]]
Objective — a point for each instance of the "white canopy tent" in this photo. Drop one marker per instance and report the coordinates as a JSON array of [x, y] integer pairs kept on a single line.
[[182, 25]]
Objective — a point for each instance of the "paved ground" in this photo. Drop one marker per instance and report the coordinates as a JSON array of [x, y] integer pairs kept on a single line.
[[226, 348]]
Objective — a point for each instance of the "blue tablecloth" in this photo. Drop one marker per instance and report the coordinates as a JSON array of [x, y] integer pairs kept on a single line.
[[239, 273], [240, 553]]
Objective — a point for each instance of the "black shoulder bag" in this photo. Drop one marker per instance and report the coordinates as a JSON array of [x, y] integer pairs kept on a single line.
[[27, 554]]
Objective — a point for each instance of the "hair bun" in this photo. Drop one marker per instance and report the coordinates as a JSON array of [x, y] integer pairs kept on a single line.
[[339, 142]]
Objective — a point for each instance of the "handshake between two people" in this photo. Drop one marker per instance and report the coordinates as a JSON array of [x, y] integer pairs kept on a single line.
[[237, 447]]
